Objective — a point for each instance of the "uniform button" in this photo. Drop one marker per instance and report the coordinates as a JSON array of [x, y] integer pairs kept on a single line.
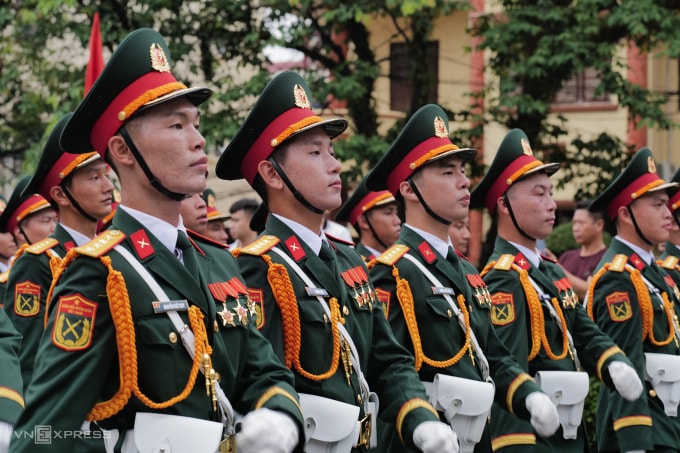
[[216, 326], [652, 393], [345, 310], [217, 376], [172, 337], [325, 319], [448, 312], [359, 398]]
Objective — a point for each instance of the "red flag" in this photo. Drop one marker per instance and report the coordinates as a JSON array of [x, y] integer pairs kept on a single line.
[[96, 61]]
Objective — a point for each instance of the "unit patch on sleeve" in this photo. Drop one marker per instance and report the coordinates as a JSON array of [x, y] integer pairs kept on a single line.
[[618, 304], [27, 299], [74, 323], [502, 309]]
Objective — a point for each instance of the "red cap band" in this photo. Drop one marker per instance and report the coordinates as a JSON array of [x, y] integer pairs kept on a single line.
[[633, 191], [32, 204], [674, 201], [407, 165], [369, 201], [505, 179], [262, 148], [109, 122]]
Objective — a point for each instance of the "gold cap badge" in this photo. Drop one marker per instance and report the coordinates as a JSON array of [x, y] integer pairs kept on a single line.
[[158, 60], [526, 147], [440, 128], [651, 166], [301, 99]]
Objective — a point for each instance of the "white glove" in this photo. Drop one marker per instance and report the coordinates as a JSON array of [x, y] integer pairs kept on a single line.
[[435, 437], [626, 380], [6, 431], [267, 430], [543, 412]]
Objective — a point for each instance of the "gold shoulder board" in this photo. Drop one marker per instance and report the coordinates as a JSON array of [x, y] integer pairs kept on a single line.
[[618, 264], [392, 254], [262, 245], [504, 262], [41, 246], [101, 244], [670, 262]]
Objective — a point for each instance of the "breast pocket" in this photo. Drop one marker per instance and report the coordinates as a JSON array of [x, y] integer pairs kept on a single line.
[[159, 350]]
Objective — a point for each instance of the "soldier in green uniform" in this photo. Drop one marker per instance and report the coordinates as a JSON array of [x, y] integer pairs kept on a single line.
[[11, 388], [435, 300], [150, 332], [670, 257], [315, 301], [534, 308], [373, 214], [79, 187], [632, 299]]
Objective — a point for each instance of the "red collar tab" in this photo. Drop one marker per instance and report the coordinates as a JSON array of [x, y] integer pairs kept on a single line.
[[637, 262], [142, 244], [426, 252], [522, 262], [295, 248]]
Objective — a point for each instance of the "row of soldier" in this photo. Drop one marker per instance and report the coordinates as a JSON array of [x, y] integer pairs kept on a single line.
[[152, 337]]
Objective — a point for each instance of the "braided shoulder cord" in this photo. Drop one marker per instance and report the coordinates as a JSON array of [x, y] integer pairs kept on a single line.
[[284, 295], [405, 297], [121, 314], [647, 310], [590, 295], [57, 272]]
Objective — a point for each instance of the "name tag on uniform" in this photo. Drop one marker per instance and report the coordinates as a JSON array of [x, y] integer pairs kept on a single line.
[[170, 305], [316, 292], [438, 290]]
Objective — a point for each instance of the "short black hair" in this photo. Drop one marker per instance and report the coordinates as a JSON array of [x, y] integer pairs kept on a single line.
[[595, 215], [244, 204]]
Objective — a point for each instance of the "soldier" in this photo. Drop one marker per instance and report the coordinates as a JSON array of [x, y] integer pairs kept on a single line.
[[534, 309], [373, 214], [215, 228], [29, 218], [77, 185], [315, 300], [632, 300], [670, 258], [434, 298], [7, 245], [142, 310], [194, 213]]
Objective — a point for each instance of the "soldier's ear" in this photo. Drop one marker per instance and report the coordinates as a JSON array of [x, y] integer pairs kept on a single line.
[[269, 175]]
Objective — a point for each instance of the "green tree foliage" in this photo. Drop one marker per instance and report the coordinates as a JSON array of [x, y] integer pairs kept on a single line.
[[536, 46]]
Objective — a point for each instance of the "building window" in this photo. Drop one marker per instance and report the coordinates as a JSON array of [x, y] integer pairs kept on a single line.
[[401, 64], [580, 89]]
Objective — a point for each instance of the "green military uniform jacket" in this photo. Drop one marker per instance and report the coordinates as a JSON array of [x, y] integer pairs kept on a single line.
[[27, 288], [11, 387], [670, 262], [387, 366], [440, 333], [78, 357], [616, 307], [511, 318], [366, 254]]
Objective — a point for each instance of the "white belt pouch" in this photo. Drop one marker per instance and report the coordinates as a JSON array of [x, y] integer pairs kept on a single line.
[[155, 433], [466, 404], [567, 390], [663, 372], [330, 426]]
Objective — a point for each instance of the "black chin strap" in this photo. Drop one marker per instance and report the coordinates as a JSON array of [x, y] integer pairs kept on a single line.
[[296, 193], [21, 230], [514, 220], [427, 208], [375, 235], [77, 206], [147, 171], [637, 227]]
